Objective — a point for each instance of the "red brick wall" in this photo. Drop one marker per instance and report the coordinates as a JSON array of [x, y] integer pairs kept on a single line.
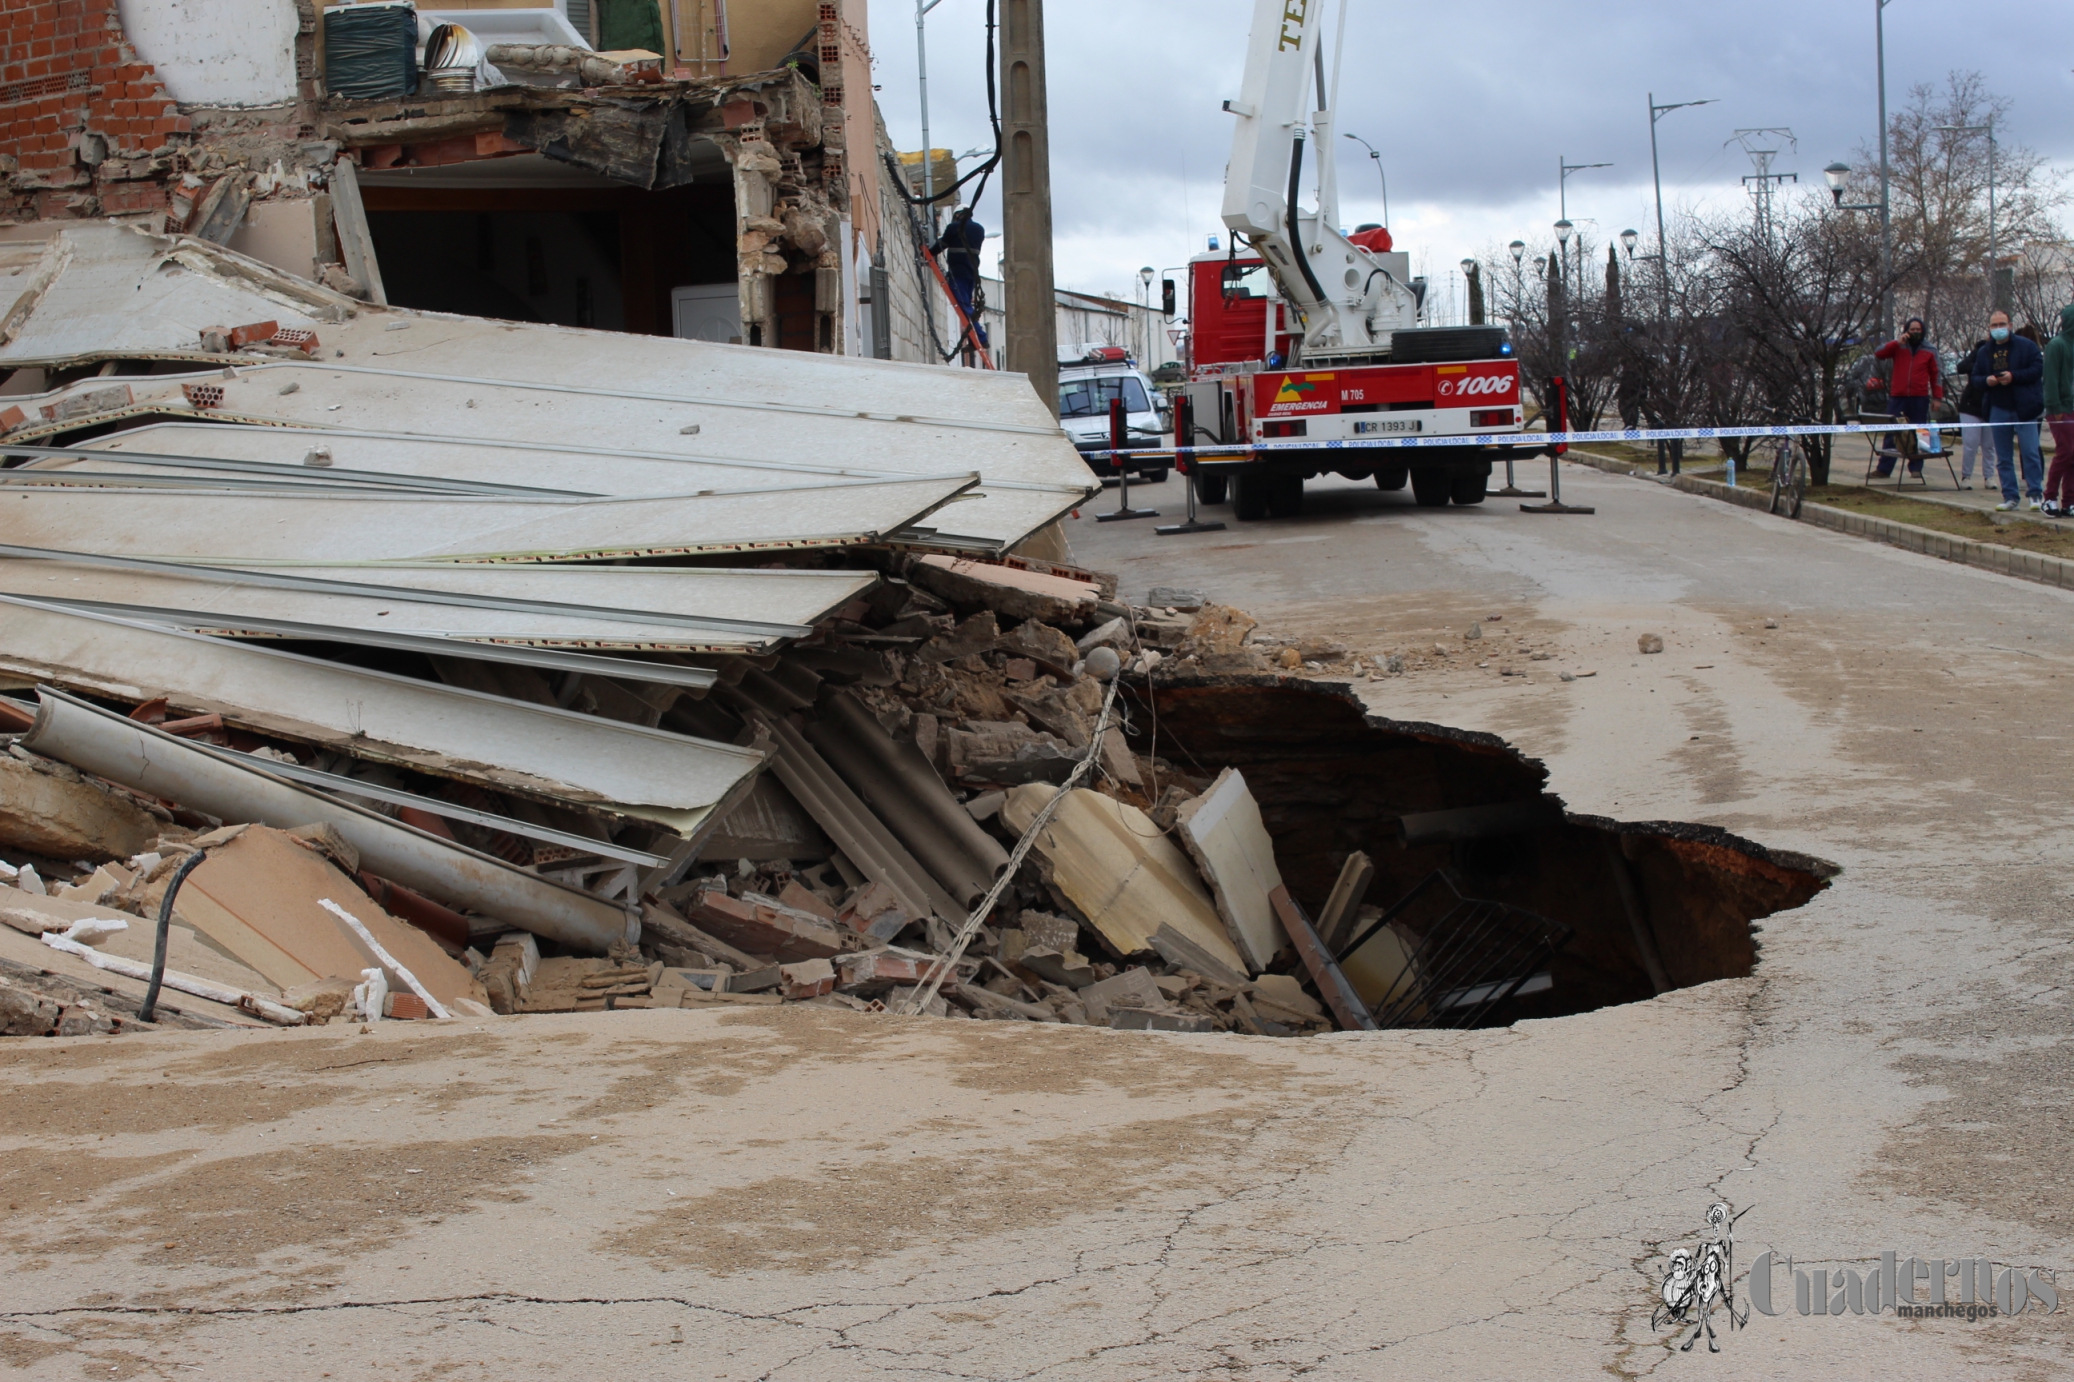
[[65, 71]]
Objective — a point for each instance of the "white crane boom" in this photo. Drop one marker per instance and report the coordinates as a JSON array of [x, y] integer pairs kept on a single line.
[[1349, 299]]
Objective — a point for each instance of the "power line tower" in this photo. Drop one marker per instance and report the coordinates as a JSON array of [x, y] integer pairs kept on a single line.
[[1763, 182]]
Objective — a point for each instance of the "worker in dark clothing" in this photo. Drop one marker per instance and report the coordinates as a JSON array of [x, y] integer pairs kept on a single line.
[[958, 247], [1918, 377]]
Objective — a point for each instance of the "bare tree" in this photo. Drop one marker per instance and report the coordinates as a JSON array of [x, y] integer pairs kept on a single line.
[[1938, 158], [1795, 305]]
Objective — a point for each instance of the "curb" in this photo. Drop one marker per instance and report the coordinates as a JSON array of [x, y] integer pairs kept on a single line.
[[1987, 556]]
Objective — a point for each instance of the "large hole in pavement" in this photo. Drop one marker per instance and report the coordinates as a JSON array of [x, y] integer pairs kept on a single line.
[[1331, 779]]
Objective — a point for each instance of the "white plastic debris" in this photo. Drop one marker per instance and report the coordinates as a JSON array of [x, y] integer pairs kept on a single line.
[[371, 995]]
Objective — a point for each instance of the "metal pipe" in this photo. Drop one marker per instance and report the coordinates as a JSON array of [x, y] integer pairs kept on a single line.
[[225, 784]]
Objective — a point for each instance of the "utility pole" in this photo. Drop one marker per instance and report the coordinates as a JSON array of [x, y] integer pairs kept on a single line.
[[1032, 305], [1879, 31]]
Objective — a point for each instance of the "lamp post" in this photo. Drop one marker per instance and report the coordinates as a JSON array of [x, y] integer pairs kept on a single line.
[[1562, 231], [922, 8], [1879, 32], [1377, 156], [1144, 331], [1673, 451], [1989, 130]]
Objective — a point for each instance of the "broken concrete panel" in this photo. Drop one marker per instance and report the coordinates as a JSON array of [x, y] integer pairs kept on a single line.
[[1008, 590], [1178, 950], [259, 896], [761, 925], [1069, 968], [1116, 633], [1120, 872], [1133, 987], [49, 809], [1042, 644], [768, 824], [1284, 991], [1223, 832]]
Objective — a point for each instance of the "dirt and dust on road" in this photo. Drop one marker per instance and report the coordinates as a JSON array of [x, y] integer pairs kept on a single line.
[[1823, 806]]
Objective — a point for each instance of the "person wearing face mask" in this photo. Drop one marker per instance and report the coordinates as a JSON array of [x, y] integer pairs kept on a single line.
[[2009, 368], [2059, 415], [1918, 377]]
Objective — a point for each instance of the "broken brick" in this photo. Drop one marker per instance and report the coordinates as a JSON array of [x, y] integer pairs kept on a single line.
[[763, 925], [806, 979]]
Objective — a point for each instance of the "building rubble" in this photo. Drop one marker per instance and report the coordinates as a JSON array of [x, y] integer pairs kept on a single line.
[[728, 678]]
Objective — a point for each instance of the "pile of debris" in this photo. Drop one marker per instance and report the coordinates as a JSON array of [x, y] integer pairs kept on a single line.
[[912, 741]]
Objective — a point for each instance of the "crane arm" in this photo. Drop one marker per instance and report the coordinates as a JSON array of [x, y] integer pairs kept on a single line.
[[1348, 298]]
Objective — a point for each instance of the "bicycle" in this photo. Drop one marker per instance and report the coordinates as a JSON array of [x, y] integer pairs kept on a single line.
[[1789, 476]]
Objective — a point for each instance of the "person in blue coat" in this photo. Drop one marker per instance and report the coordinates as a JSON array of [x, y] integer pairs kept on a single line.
[[2011, 371], [959, 248]]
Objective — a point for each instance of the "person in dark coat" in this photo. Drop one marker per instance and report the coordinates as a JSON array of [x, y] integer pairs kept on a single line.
[[1918, 376], [959, 248], [2011, 371], [1973, 430]]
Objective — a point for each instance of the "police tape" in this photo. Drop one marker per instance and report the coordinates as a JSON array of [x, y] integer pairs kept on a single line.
[[1535, 441]]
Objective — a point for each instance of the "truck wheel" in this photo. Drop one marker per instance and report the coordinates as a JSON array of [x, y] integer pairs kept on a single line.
[[1392, 479], [1431, 489], [1467, 487], [1209, 488], [1249, 499], [1155, 477], [1285, 498]]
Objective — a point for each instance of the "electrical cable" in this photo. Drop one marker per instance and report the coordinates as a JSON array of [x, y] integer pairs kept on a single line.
[[984, 170], [149, 1012]]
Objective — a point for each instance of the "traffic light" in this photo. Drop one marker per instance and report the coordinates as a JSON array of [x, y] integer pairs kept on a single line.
[[1166, 297]]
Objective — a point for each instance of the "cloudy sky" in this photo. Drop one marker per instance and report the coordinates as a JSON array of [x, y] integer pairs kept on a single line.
[[1471, 102]]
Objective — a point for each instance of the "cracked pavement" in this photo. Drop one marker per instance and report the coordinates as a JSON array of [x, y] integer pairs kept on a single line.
[[806, 1194]]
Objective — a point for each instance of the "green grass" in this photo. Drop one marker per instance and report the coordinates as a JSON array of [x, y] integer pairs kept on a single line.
[[2051, 539]]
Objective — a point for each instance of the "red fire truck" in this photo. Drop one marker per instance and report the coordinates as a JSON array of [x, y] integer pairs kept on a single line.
[[1309, 335]]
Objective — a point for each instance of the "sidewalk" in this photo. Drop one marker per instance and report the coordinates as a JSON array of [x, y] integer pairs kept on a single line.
[[1848, 464]]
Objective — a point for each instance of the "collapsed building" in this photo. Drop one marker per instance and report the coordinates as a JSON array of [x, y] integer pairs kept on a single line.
[[382, 638], [737, 677]]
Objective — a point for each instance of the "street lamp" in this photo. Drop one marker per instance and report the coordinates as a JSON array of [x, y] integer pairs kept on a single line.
[[1145, 309], [1519, 249], [1671, 452], [1628, 238], [1989, 130], [1879, 31], [1375, 154], [1837, 175]]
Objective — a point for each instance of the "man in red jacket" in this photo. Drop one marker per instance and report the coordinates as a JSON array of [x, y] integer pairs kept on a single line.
[[1918, 378]]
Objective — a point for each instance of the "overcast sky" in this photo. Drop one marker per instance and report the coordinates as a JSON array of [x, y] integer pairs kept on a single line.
[[1471, 103]]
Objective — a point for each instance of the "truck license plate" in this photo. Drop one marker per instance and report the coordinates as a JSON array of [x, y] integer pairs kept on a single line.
[[1369, 429]]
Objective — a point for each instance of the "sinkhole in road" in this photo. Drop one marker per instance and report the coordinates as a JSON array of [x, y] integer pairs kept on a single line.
[[1421, 799]]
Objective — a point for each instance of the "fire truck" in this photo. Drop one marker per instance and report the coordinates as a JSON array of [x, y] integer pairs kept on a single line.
[[1300, 333]]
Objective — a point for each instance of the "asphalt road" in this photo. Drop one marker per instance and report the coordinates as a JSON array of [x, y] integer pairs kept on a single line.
[[801, 1194]]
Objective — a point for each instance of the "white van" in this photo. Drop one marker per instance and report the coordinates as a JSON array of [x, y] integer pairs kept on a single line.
[[1089, 377]]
